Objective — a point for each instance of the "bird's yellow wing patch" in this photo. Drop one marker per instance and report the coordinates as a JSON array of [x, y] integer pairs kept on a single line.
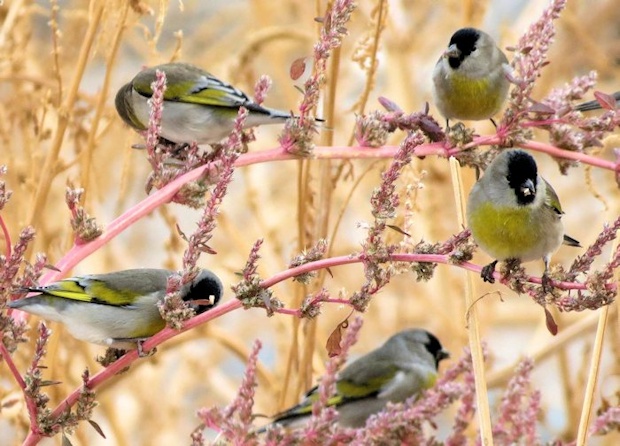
[[350, 389], [90, 290]]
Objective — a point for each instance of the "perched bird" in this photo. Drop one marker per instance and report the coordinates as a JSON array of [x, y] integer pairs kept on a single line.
[[402, 367], [197, 106], [117, 309], [514, 213], [469, 79], [596, 105]]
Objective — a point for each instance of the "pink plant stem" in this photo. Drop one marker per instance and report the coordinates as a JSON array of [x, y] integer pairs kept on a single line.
[[288, 312], [336, 301], [7, 237], [487, 140], [140, 210], [402, 257], [575, 156], [30, 403], [9, 362], [164, 195]]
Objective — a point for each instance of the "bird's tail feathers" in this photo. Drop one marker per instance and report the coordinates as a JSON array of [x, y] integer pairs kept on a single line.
[[569, 241]]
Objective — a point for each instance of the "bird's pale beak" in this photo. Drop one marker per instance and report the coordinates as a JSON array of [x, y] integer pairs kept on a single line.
[[442, 354], [528, 188], [452, 52]]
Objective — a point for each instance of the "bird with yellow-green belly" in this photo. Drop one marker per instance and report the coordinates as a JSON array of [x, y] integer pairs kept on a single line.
[[469, 79], [514, 213]]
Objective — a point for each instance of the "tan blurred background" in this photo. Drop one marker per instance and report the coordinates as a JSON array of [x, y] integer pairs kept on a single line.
[[238, 40]]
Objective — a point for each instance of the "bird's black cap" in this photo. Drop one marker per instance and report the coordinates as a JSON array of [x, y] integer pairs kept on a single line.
[[465, 40], [521, 168], [434, 348], [205, 285]]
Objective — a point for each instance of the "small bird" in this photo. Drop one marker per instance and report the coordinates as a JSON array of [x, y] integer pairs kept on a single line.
[[402, 367], [596, 105], [117, 309], [514, 213], [198, 107], [469, 79]]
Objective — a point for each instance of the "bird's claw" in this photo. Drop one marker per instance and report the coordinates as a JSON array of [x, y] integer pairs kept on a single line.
[[487, 272], [141, 352], [547, 284]]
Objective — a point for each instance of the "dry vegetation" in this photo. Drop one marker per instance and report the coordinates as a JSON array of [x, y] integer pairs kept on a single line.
[[61, 64]]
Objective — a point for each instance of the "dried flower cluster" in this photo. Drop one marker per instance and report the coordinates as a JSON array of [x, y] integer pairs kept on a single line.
[[250, 290], [84, 226], [298, 133], [530, 57]]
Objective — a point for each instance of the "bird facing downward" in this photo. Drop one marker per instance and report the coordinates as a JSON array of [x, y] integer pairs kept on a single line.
[[402, 367], [117, 309], [514, 213], [198, 107], [469, 79]]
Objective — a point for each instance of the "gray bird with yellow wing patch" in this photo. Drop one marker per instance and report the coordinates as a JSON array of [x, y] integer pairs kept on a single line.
[[117, 309], [401, 368], [198, 107]]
